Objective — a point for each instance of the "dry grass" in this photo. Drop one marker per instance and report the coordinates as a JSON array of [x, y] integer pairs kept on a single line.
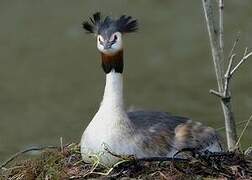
[[66, 163]]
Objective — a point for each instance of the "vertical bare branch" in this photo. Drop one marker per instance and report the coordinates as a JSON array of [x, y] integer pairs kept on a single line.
[[214, 41], [216, 36], [221, 27], [234, 45], [228, 76]]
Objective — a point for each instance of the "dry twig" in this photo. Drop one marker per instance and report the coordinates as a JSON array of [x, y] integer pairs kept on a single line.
[[25, 151], [243, 131]]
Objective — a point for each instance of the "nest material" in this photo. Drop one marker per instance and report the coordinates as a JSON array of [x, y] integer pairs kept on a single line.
[[66, 163]]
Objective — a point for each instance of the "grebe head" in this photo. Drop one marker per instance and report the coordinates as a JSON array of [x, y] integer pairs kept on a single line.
[[109, 31]]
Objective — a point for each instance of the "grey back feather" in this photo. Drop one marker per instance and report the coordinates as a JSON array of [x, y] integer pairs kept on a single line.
[[179, 132], [145, 119]]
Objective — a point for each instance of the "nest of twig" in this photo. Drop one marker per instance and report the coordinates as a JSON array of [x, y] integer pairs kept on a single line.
[[66, 163]]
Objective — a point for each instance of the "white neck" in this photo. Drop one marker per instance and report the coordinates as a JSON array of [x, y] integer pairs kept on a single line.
[[111, 122], [113, 94]]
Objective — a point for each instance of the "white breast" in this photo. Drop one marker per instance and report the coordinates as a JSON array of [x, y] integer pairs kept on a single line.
[[110, 125]]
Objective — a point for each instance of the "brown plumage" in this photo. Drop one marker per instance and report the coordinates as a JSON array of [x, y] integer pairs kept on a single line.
[[112, 61], [112, 58]]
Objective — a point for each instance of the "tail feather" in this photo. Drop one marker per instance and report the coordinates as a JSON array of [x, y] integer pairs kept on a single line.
[[195, 135]]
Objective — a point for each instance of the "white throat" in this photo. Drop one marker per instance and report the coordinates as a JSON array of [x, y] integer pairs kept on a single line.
[[113, 93]]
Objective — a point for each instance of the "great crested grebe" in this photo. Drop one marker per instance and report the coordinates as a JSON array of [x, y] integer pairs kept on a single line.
[[139, 133]]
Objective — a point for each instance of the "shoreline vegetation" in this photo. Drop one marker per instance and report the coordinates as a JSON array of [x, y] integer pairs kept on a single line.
[[65, 162]]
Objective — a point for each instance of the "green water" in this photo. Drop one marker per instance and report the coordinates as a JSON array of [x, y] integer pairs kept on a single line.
[[51, 82]]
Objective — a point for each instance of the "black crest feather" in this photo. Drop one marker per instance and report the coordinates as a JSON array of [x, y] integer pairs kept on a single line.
[[127, 24], [93, 26], [124, 24]]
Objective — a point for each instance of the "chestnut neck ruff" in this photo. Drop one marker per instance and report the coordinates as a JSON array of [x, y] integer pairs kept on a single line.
[[112, 62]]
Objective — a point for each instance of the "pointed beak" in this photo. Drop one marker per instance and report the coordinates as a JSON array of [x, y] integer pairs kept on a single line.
[[107, 45]]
